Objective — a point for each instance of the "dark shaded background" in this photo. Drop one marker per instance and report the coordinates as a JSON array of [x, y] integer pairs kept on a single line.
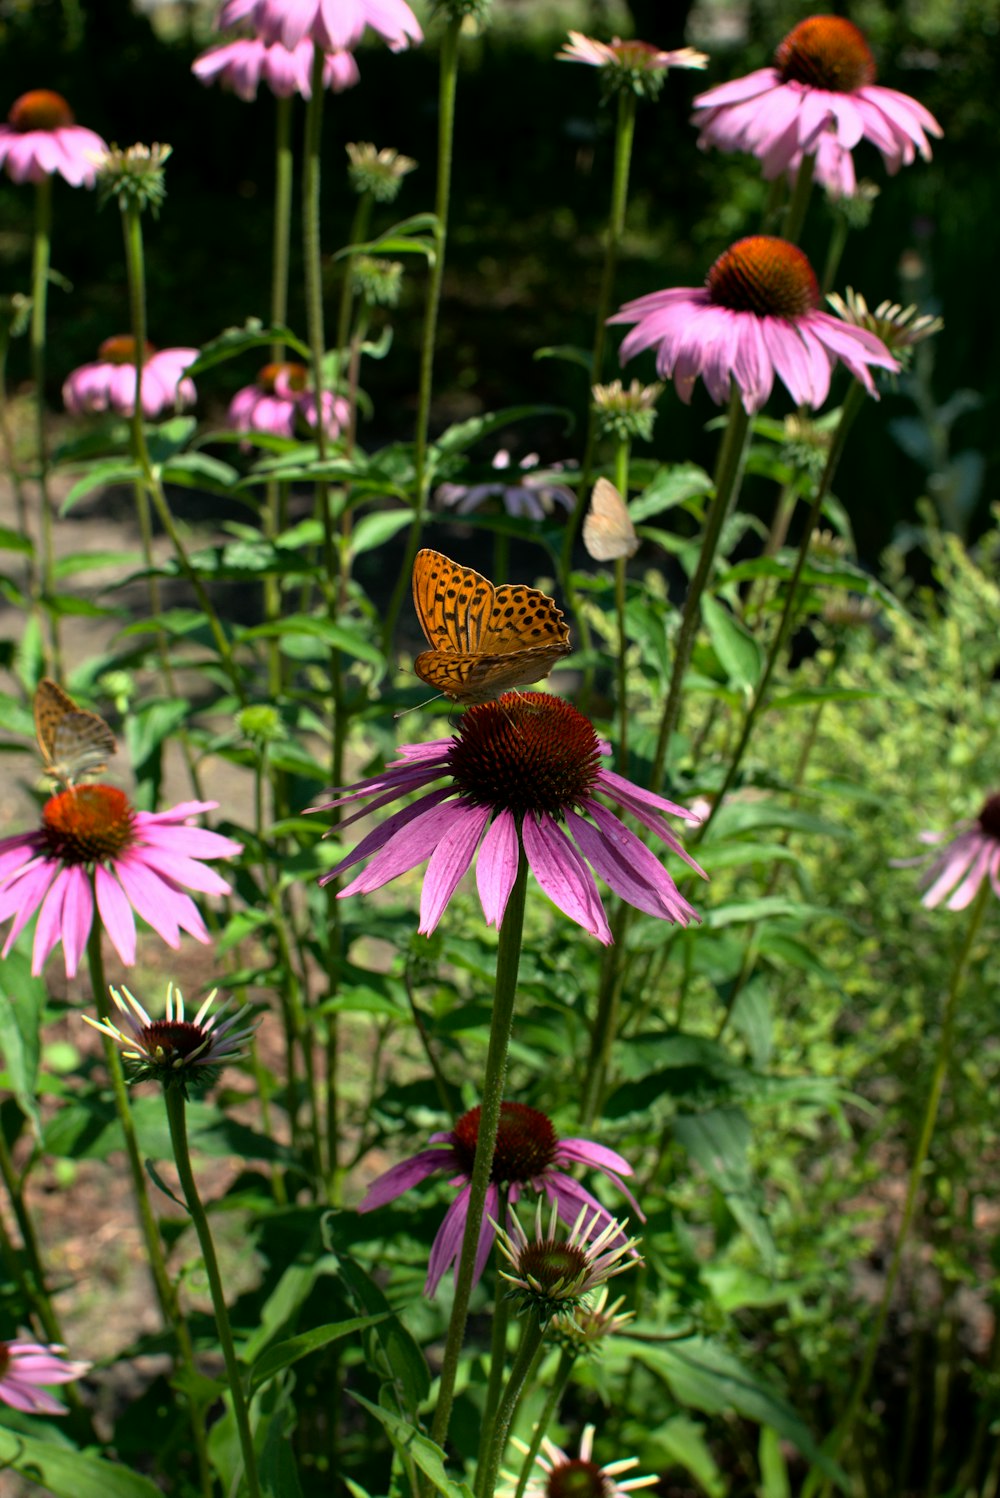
[[531, 187]]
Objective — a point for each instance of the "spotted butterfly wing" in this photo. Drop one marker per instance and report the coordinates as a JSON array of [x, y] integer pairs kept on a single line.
[[483, 640], [74, 743]]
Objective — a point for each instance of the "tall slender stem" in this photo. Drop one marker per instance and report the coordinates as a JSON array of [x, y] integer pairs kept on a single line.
[[39, 305], [853, 402], [621, 483], [557, 1388], [795, 213], [498, 1349], [274, 500], [447, 92], [728, 477], [31, 1280], [177, 1119], [532, 1339], [508, 959], [835, 1443]]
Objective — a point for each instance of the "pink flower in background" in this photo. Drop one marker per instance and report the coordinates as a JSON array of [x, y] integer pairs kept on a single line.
[[756, 317], [92, 842], [109, 384], [26, 1368], [820, 96], [526, 767], [560, 1474], [528, 1155], [279, 403], [41, 139], [630, 54], [530, 491], [242, 65], [334, 25], [971, 855]]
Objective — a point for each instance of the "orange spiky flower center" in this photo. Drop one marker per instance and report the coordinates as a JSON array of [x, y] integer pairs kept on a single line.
[[293, 377], [576, 1479], [526, 1143], [41, 109], [765, 275], [88, 824], [120, 349], [826, 52]]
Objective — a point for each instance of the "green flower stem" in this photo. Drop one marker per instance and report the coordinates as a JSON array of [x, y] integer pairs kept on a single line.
[[622, 454], [31, 1281], [553, 1399], [359, 233], [173, 1096], [447, 91], [834, 253], [498, 1347], [624, 137], [605, 1026], [795, 213], [505, 989], [728, 477], [39, 304], [166, 1291], [853, 402], [835, 1443], [276, 493], [525, 1362]]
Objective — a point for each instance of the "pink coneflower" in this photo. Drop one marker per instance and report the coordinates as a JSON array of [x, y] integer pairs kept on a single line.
[[551, 1272], [971, 855], [820, 97], [240, 66], [109, 384], [757, 316], [524, 770], [280, 403], [91, 842], [528, 1154], [26, 1368], [41, 138], [637, 63], [334, 25], [530, 492], [176, 1051], [560, 1475]]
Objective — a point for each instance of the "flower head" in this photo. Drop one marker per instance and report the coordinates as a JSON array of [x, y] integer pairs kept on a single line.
[[757, 316], [93, 843], [530, 492], [41, 138], [551, 1273], [136, 176], [626, 414], [25, 1369], [280, 403], [589, 1324], [334, 25], [528, 1154], [109, 383], [242, 65], [820, 98], [971, 855], [525, 771], [637, 67], [177, 1051], [380, 173], [899, 328], [563, 1476]]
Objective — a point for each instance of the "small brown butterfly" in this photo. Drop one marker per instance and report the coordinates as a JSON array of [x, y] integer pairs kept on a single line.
[[74, 742], [608, 532], [484, 640]]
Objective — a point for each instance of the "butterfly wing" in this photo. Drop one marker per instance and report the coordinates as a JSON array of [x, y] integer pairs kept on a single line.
[[451, 602], [73, 742], [608, 532]]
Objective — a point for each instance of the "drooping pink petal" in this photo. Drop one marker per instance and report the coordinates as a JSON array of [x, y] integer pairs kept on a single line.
[[496, 866], [77, 916], [627, 866], [150, 898], [386, 831], [563, 875], [569, 1196], [116, 914], [48, 929], [450, 861], [404, 1175], [414, 841], [448, 1241]]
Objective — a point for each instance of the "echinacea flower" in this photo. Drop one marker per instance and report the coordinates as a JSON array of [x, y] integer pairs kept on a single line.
[[561, 1475], [528, 1154], [176, 1051], [522, 771], [551, 1273], [591, 1323], [242, 65], [93, 843], [280, 403], [528, 493], [41, 138], [109, 384], [970, 855], [334, 25], [25, 1370], [757, 316], [820, 98], [637, 66]]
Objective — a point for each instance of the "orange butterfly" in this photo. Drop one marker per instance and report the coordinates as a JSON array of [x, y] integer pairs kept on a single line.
[[483, 640], [73, 742]]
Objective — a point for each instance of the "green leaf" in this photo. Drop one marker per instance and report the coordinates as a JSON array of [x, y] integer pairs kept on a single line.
[[101, 475], [412, 1444], [719, 1141], [674, 485], [567, 352], [465, 433], [65, 1472], [22, 1003], [234, 341], [402, 1356], [773, 1467], [416, 235], [169, 438], [284, 1354], [374, 530], [739, 653], [90, 561], [339, 636], [200, 471], [14, 541], [681, 1441]]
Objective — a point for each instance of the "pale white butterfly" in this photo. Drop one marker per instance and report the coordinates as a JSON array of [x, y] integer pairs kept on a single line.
[[608, 532]]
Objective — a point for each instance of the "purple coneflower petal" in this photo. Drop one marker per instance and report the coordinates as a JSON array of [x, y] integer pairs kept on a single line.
[[146, 894], [116, 914], [569, 1196], [77, 916], [385, 832], [404, 1175], [496, 867], [563, 875], [450, 860], [49, 926], [448, 1240], [414, 841], [626, 865]]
